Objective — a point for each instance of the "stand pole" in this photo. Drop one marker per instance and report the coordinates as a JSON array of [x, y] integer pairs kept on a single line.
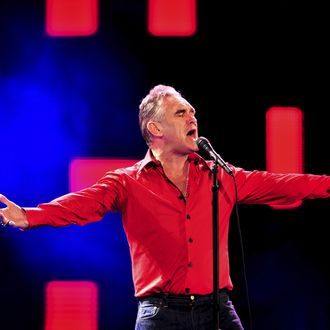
[[215, 216]]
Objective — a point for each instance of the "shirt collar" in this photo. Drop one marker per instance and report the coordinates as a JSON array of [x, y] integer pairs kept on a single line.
[[149, 160]]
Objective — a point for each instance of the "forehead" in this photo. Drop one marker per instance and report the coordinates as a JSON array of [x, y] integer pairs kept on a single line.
[[175, 103]]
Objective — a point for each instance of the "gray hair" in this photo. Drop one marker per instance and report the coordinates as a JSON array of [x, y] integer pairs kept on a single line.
[[151, 107]]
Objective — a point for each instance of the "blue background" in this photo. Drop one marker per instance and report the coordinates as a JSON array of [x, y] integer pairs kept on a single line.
[[62, 98]]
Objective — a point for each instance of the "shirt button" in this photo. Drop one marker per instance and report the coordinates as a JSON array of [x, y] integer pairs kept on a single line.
[[190, 240], [188, 216], [190, 264], [187, 290], [181, 197]]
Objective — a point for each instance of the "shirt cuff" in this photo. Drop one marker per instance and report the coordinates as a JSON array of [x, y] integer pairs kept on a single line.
[[35, 216]]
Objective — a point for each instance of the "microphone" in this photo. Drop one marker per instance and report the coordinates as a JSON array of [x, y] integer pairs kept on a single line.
[[204, 145]]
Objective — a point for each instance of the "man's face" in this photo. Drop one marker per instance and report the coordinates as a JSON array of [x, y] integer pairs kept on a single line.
[[179, 125]]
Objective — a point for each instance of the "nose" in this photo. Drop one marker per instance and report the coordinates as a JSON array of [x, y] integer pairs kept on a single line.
[[192, 119]]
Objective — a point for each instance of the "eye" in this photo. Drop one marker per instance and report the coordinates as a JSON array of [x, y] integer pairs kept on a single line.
[[180, 113]]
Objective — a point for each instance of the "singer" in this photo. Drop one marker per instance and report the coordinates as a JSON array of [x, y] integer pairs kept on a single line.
[[165, 201]]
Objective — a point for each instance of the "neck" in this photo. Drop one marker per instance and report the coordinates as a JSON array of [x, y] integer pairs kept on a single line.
[[176, 168], [172, 163]]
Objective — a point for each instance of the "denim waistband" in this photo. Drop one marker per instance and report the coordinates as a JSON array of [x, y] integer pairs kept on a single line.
[[165, 299]]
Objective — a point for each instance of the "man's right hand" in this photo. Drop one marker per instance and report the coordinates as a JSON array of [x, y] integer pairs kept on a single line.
[[12, 215]]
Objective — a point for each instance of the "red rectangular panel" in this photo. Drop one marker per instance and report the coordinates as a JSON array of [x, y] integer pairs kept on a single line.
[[284, 141], [71, 305], [71, 17], [84, 172], [172, 17]]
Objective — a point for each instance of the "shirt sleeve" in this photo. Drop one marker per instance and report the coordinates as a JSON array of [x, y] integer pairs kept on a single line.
[[262, 187], [81, 207]]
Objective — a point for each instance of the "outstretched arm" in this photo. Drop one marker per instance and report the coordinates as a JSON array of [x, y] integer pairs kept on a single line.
[[12, 215]]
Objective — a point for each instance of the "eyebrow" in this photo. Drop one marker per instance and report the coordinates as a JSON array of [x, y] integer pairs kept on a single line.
[[179, 111]]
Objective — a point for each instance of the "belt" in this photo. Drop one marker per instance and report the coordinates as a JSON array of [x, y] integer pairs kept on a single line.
[[174, 300]]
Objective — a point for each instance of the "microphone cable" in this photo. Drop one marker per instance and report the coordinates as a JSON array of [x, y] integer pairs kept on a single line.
[[242, 254]]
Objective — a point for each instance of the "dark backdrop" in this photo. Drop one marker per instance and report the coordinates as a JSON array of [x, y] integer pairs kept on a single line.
[[62, 98]]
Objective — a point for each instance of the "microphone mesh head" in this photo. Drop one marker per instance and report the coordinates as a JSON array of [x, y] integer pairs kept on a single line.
[[201, 141]]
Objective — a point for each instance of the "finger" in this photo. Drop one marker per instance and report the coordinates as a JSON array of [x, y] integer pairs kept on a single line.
[[3, 221], [11, 223], [2, 217], [5, 200]]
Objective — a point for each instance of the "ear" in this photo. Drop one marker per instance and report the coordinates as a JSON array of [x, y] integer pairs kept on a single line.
[[155, 128]]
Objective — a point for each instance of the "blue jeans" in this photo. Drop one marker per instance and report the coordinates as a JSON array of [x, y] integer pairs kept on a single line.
[[185, 312]]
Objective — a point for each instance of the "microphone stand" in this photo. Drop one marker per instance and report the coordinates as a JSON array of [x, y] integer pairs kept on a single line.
[[215, 217]]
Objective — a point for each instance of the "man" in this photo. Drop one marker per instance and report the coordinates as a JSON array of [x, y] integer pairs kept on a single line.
[[166, 205]]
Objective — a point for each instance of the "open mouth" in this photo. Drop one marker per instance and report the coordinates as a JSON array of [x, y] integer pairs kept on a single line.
[[192, 133]]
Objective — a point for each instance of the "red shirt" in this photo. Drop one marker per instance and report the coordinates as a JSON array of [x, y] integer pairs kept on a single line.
[[170, 238]]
